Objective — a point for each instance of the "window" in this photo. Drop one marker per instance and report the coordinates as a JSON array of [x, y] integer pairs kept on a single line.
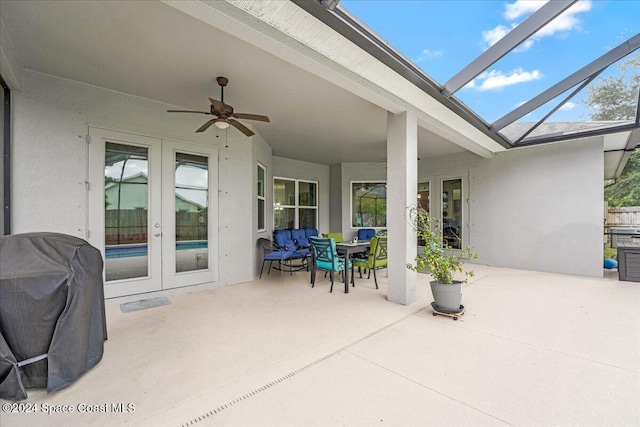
[[369, 204], [261, 198], [295, 204]]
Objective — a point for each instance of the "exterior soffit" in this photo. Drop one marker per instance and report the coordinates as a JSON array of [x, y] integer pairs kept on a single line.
[[9, 66], [302, 40]]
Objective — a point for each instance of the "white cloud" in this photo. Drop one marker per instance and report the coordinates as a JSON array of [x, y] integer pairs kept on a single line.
[[429, 54], [568, 106], [496, 80], [491, 37], [521, 7], [567, 21]]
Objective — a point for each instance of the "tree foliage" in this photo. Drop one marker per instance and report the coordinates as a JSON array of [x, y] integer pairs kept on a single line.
[[616, 98], [626, 190]]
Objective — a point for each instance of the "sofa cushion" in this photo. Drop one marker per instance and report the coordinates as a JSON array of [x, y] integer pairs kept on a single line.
[[282, 237], [290, 245], [297, 234], [366, 234], [309, 232]]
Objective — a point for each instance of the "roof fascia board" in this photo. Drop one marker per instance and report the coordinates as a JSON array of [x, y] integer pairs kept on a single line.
[[587, 71], [578, 135], [428, 122], [523, 31]]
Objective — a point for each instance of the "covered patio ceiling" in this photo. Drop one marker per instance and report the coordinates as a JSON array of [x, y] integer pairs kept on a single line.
[[155, 51], [172, 52]]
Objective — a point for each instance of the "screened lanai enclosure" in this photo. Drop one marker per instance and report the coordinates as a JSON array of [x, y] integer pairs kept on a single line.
[[593, 93], [500, 118], [370, 205]]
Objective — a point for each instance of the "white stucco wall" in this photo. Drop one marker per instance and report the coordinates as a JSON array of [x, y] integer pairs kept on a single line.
[[51, 117], [262, 154], [287, 168], [541, 208]]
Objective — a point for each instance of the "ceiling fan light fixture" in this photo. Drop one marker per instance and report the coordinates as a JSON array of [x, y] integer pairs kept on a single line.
[[221, 123]]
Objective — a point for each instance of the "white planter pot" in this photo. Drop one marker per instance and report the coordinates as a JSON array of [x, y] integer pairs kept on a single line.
[[447, 296]]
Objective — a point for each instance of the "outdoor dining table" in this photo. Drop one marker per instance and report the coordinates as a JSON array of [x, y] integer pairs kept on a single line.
[[348, 249]]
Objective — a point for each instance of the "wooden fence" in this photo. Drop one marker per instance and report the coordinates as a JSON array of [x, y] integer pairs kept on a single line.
[[627, 216], [130, 226]]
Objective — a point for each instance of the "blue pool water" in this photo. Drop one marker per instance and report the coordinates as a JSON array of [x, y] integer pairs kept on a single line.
[[141, 249]]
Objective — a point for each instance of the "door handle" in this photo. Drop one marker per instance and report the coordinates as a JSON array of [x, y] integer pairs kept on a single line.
[[157, 234]]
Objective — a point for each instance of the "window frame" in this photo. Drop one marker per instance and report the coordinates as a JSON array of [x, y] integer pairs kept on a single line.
[[262, 213], [5, 166], [296, 207], [464, 208]]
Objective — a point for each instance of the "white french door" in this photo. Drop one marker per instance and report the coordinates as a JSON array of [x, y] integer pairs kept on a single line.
[[152, 211], [189, 182]]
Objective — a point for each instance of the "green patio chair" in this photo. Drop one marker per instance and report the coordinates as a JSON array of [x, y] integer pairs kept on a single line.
[[335, 236], [377, 258]]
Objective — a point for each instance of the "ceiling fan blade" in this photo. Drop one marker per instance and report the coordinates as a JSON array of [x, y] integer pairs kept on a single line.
[[206, 125], [250, 117], [188, 111], [242, 128], [220, 107]]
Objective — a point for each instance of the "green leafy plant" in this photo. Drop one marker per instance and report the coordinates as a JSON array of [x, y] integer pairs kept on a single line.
[[439, 257]]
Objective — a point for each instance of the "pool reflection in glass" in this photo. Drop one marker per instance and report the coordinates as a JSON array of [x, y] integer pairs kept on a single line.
[[192, 219]]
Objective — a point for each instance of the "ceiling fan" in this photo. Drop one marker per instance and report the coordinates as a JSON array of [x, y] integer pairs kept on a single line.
[[224, 113]]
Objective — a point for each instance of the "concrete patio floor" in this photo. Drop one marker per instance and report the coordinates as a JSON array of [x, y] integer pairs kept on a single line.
[[532, 349]]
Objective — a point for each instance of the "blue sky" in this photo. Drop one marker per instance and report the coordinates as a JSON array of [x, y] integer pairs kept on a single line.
[[442, 37]]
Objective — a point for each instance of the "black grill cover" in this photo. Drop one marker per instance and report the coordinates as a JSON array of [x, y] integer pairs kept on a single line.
[[51, 302]]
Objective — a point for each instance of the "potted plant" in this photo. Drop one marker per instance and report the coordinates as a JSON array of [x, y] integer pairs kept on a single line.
[[441, 260]]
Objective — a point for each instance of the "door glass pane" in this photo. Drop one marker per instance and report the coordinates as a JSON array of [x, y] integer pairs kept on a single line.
[[452, 212], [307, 218], [192, 218], [307, 193], [284, 218], [126, 171], [423, 201]]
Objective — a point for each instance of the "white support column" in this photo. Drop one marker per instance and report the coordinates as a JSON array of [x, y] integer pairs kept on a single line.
[[402, 190]]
